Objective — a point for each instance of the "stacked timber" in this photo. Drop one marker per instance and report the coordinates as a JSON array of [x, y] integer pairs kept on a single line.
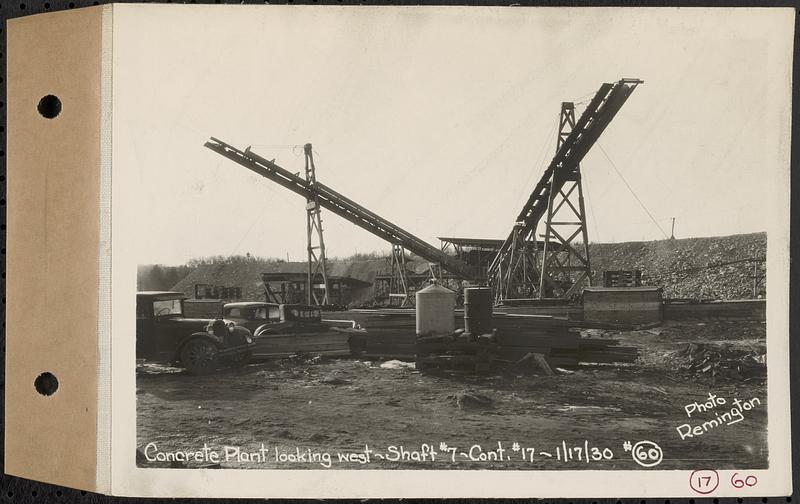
[[459, 350], [557, 344], [518, 336], [391, 334], [605, 351]]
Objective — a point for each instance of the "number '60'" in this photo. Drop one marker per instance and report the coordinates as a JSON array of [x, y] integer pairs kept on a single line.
[[738, 482]]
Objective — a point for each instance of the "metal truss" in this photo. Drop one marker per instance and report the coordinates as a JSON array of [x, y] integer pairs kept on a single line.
[[517, 276], [514, 271], [435, 273], [398, 285], [565, 268], [317, 270]]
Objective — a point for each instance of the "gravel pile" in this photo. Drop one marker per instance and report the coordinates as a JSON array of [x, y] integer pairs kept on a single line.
[[701, 268]]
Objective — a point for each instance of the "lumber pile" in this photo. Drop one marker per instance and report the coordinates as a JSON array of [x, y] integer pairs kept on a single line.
[[605, 351], [554, 341], [391, 335], [459, 350]]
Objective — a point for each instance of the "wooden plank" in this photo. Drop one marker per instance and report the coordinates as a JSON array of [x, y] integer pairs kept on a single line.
[[561, 361], [606, 357], [547, 340]]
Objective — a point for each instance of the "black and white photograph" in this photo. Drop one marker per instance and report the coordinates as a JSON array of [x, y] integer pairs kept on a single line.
[[455, 239]]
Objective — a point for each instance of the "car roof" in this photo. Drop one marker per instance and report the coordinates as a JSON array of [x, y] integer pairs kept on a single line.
[[161, 294], [248, 304]]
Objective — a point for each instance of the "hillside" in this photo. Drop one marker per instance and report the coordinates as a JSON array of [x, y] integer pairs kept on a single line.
[[711, 268], [157, 277]]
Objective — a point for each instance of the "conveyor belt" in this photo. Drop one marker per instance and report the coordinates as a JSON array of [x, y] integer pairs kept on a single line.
[[598, 114], [341, 206]]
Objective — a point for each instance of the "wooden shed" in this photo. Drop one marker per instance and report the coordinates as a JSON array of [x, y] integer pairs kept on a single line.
[[623, 305]]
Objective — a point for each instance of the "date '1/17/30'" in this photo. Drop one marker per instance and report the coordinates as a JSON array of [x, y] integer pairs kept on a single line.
[[644, 453]]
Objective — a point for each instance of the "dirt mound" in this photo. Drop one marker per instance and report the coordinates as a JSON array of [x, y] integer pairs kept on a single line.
[[722, 360], [711, 268]]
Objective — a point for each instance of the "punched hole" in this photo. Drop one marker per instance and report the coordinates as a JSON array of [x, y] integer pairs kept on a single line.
[[46, 384], [49, 106]]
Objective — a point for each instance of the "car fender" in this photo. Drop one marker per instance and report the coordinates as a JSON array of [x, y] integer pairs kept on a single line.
[[264, 329], [243, 333]]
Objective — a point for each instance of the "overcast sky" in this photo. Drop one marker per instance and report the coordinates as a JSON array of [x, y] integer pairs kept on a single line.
[[443, 119]]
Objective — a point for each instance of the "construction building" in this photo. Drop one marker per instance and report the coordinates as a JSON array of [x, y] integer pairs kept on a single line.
[[351, 282]]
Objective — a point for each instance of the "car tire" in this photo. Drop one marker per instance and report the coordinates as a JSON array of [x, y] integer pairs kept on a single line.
[[199, 357]]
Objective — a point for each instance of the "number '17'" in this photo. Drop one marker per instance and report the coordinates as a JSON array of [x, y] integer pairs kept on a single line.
[[703, 481]]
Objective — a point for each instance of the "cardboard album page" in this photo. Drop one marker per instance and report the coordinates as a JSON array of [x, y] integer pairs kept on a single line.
[[298, 251], [57, 374]]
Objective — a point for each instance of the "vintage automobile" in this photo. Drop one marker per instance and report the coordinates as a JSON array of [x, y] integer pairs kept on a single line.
[[281, 330], [200, 346]]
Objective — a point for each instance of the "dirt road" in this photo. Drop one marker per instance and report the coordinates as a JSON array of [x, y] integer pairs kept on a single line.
[[312, 413]]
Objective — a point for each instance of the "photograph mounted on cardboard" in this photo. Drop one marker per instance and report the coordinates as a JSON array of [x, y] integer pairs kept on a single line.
[[516, 240]]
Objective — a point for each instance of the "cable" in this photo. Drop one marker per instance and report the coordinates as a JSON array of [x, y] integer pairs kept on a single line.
[[258, 217], [277, 146], [583, 99], [631, 190]]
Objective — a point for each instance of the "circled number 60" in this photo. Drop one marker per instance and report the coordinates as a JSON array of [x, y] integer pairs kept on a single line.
[[739, 482]]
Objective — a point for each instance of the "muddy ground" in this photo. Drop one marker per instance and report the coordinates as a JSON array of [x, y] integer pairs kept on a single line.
[[303, 408]]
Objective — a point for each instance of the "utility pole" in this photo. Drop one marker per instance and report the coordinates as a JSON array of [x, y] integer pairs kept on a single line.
[[672, 236]]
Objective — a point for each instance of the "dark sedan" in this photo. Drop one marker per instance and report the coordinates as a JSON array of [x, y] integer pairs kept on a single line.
[[281, 330]]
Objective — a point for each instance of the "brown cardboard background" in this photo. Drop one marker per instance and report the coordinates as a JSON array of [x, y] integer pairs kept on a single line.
[[52, 283]]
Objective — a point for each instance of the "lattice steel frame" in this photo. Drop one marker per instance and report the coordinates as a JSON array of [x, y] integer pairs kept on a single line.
[[573, 145], [317, 267], [398, 285], [565, 268], [518, 275]]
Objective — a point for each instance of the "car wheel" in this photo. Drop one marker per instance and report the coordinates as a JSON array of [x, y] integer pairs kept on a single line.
[[199, 357]]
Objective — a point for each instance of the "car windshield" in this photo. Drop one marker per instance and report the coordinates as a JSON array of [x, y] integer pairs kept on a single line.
[[167, 307]]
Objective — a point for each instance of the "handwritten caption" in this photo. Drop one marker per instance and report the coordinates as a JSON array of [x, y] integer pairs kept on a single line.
[[644, 453], [725, 413]]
